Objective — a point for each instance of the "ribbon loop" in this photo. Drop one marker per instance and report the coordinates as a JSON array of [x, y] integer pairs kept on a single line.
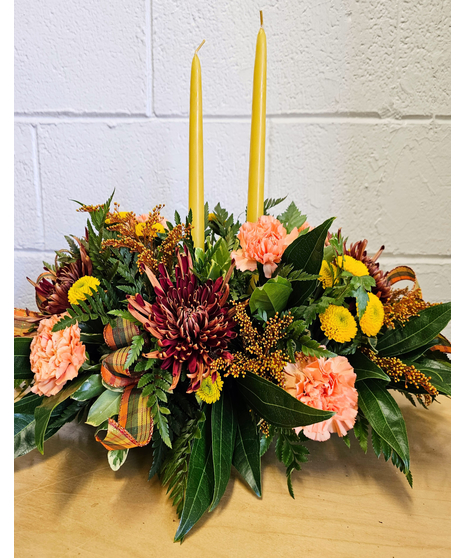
[[134, 427]]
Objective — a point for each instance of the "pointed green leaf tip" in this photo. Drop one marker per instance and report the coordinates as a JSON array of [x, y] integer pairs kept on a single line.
[[277, 406], [200, 481], [306, 253], [223, 437], [247, 456]]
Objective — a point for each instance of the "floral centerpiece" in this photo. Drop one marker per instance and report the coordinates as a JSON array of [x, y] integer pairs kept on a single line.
[[277, 331], [209, 339]]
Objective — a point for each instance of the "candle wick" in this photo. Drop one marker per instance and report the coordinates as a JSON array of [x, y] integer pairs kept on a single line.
[[199, 47], [261, 18]]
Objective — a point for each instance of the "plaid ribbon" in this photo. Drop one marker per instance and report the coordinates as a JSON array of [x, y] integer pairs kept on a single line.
[[26, 322], [134, 427], [402, 273], [444, 345]]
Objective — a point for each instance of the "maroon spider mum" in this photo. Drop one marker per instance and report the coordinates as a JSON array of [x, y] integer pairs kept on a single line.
[[192, 322], [52, 286]]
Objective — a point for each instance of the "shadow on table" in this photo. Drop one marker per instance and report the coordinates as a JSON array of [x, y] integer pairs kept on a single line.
[[74, 462]]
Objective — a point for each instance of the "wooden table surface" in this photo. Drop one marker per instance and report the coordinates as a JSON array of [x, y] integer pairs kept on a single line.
[[69, 503]]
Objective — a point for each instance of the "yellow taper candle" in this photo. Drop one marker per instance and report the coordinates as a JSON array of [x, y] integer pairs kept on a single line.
[[196, 154], [255, 203]]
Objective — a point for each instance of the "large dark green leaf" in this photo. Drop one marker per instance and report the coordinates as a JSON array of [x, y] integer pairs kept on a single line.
[[28, 403], [92, 338], [200, 481], [277, 406], [418, 331], [306, 252], [272, 296], [42, 412], [24, 427], [438, 370], [223, 436], [24, 440], [246, 458], [417, 353], [384, 416], [22, 364], [92, 387], [366, 368]]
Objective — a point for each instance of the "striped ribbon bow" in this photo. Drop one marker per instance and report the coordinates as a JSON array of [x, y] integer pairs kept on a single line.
[[134, 427]]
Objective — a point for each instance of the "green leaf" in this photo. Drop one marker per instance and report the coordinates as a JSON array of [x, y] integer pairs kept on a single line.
[[366, 368], [137, 344], [27, 404], [306, 253], [24, 439], [42, 412], [24, 429], [160, 449], [272, 296], [417, 353], [418, 331], [438, 371], [361, 431], [270, 202], [22, 364], [292, 218], [362, 301], [223, 437], [384, 416], [247, 454], [106, 406], [200, 481], [220, 260], [92, 338], [161, 422], [277, 406], [116, 458], [92, 387]]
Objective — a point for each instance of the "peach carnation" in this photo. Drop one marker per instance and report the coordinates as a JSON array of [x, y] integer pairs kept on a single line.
[[326, 384], [264, 242], [55, 357]]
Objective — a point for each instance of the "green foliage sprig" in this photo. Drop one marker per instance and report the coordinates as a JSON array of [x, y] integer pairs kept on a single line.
[[174, 469], [155, 384], [291, 452]]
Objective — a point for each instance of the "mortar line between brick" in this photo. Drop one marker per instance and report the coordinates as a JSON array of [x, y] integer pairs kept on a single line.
[[58, 118], [37, 180], [32, 251], [149, 57]]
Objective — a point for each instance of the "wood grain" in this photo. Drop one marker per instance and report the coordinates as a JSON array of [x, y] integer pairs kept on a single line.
[[69, 503]]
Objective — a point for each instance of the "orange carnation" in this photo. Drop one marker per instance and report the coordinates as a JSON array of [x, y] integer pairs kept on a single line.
[[264, 242], [327, 384], [55, 357]]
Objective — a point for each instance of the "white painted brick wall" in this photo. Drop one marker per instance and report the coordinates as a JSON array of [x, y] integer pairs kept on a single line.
[[358, 122]]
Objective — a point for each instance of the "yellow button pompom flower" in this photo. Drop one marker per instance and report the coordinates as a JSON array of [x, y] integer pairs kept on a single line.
[[373, 317], [79, 289], [338, 324], [210, 391], [353, 266], [327, 274]]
